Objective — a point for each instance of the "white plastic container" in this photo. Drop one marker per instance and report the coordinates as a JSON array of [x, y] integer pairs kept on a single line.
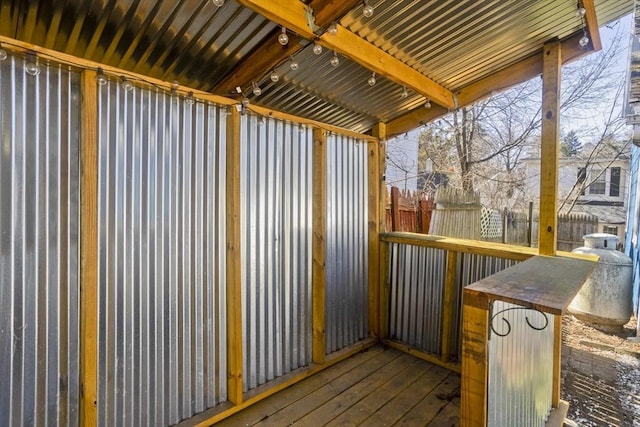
[[606, 297]]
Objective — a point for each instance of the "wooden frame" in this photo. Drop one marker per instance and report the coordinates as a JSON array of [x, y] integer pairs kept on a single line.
[[319, 243]]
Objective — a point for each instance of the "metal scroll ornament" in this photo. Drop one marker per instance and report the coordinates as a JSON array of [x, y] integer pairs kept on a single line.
[[505, 328]]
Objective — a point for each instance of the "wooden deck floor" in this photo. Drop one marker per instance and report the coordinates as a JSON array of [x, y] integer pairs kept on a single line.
[[377, 387]]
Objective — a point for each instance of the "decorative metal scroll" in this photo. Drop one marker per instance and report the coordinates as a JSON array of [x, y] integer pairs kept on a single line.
[[506, 328]]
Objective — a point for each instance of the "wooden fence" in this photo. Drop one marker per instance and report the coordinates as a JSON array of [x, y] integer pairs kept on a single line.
[[408, 211]]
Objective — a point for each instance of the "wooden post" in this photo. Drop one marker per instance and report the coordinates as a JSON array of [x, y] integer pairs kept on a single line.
[[380, 132], [475, 335], [530, 225], [447, 304], [374, 238], [89, 250], [318, 246], [424, 216], [234, 283], [550, 150], [395, 209], [557, 356]]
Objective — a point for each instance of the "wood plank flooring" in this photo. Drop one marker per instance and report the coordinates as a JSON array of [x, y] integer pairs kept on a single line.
[[377, 387]]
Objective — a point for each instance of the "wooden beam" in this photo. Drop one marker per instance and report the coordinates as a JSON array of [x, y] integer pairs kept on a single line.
[[557, 361], [89, 254], [591, 20], [550, 150], [319, 244], [473, 388], [447, 304], [292, 15], [234, 283], [269, 54], [510, 76], [374, 237], [382, 262]]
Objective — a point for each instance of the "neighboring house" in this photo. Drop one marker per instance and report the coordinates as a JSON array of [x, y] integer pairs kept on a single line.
[[402, 161], [596, 186]]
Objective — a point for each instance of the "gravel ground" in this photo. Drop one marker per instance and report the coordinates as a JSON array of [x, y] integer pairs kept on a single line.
[[601, 375]]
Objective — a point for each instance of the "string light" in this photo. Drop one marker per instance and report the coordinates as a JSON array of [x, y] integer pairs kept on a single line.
[[317, 49], [274, 76], [367, 10], [283, 38], [405, 92], [244, 105], [101, 79], [372, 79], [189, 99], [293, 64], [32, 65], [333, 29], [581, 11], [334, 60], [3, 54], [427, 104], [126, 84], [256, 89], [218, 3], [174, 88]]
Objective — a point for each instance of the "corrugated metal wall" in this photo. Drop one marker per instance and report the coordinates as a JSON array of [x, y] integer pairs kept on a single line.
[[39, 236], [417, 281], [520, 366], [162, 343], [346, 242], [276, 233]]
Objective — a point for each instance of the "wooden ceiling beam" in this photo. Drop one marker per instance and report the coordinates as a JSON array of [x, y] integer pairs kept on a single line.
[[269, 54], [591, 20], [293, 15], [510, 76]]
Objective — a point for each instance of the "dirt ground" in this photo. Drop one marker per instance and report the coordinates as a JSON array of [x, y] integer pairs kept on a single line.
[[601, 375]]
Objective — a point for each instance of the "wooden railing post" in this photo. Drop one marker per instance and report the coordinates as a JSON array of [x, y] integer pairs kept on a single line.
[[318, 246], [89, 250], [447, 304], [557, 359], [374, 237], [382, 268], [234, 283]]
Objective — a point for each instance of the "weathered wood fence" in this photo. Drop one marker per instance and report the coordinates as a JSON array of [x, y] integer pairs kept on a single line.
[[408, 211]]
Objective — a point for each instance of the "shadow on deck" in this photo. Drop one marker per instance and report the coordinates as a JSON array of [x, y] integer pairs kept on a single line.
[[378, 386]]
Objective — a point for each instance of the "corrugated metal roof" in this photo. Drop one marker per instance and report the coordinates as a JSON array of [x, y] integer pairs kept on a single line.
[[453, 42]]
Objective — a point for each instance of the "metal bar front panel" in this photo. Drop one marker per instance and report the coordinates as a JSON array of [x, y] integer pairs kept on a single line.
[[346, 312], [276, 236], [39, 252], [162, 341], [520, 366]]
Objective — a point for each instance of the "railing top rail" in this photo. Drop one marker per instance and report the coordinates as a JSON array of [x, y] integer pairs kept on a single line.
[[545, 283]]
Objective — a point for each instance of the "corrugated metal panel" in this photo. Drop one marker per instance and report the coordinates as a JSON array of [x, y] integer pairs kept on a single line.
[[471, 268], [162, 342], [39, 237], [417, 284], [346, 263], [520, 366], [276, 197]]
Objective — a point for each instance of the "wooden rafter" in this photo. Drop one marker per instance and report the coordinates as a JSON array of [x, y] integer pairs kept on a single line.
[[591, 20], [268, 54], [293, 15], [510, 76]]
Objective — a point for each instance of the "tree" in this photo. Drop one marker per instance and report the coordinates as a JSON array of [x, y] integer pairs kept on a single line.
[[570, 145]]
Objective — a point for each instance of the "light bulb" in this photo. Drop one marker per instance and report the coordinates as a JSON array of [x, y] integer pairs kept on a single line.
[[126, 84], [367, 10], [372, 79], [256, 89], [274, 76], [283, 38], [334, 60], [584, 41], [32, 67], [333, 29], [189, 99], [427, 104], [404, 93], [581, 11], [3, 54], [245, 102], [218, 3], [293, 64], [101, 79], [317, 49]]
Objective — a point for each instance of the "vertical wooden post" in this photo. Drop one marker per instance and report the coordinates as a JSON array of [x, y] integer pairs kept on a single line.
[[557, 356], [318, 246], [234, 283], [89, 249], [447, 304], [547, 230], [395, 209], [475, 335], [380, 132], [374, 238]]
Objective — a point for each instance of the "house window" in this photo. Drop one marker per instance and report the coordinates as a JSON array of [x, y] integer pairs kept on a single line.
[[614, 186], [599, 183], [610, 230]]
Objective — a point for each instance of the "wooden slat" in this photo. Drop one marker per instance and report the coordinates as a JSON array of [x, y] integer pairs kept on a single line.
[[89, 250], [234, 284], [433, 410], [421, 354], [557, 361], [473, 392], [550, 150], [450, 285], [292, 14], [319, 243], [593, 29], [374, 237]]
